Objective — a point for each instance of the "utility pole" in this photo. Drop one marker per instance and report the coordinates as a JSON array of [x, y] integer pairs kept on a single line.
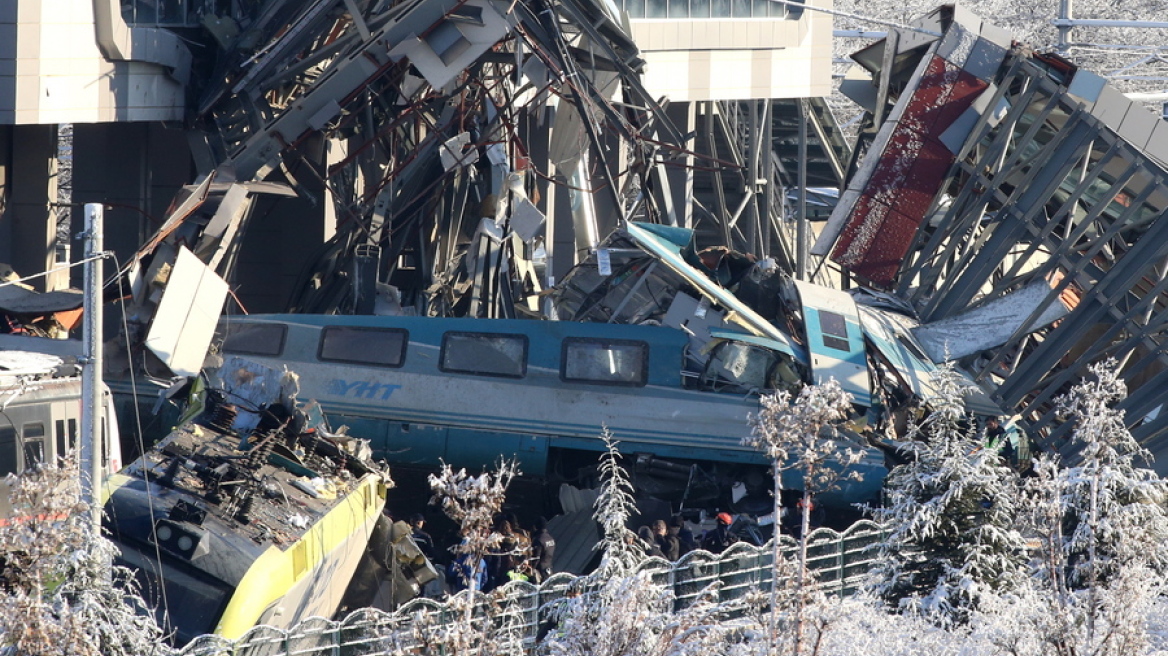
[[1065, 26], [93, 406], [802, 231]]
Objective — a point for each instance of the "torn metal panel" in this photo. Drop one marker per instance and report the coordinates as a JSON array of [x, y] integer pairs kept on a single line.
[[666, 244], [890, 334], [186, 316], [252, 388], [990, 325]]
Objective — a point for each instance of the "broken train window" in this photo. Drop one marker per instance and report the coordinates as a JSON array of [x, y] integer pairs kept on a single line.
[[252, 338], [740, 367], [617, 362], [381, 347], [485, 354]]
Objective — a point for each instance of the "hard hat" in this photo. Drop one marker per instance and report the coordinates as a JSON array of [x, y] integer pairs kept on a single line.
[[725, 518]]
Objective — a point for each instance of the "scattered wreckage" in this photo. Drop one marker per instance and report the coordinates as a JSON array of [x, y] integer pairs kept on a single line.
[[253, 512], [1002, 212]]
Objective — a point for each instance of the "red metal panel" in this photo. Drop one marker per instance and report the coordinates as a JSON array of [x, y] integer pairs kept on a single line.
[[909, 174], [924, 180], [860, 231], [944, 92], [882, 261], [897, 160], [959, 96], [921, 111]]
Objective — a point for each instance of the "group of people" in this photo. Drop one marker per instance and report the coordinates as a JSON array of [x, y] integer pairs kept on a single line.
[[513, 554], [670, 540], [516, 554]]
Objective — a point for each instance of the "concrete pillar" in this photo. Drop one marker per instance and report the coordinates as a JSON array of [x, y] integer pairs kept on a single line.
[[29, 216], [283, 235], [135, 170]]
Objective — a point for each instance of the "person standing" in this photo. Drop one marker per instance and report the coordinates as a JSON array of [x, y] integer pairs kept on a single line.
[[685, 537], [648, 542], [719, 538], [667, 543], [543, 550], [421, 537]]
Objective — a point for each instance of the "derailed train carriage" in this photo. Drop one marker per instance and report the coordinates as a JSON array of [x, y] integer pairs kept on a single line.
[[647, 346], [255, 513]]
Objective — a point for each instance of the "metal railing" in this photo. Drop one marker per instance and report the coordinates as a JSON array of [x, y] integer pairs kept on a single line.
[[839, 562]]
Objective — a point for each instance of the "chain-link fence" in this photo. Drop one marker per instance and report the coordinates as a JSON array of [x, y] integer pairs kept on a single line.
[[518, 611]]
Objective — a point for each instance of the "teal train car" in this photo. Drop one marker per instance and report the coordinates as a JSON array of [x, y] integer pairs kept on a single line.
[[468, 391]]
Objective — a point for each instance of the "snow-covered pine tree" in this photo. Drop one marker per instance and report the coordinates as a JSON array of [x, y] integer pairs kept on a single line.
[[614, 505], [951, 514], [1113, 520], [1114, 506]]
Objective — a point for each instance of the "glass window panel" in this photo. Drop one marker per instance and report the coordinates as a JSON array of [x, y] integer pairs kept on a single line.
[[741, 8], [655, 9], [678, 8], [760, 8], [605, 361], [382, 347], [720, 8], [253, 338], [9, 462], [173, 11], [699, 9], [739, 367], [34, 444], [59, 433], [835, 330], [485, 354], [636, 8]]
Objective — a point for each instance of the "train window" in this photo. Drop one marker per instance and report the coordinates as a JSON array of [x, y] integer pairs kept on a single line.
[[73, 433], [59, 432], [737, 367], [377, 347], [835, 330], [486, 354], [615, 362], [9, 462], [253, 338], [34, 444]]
